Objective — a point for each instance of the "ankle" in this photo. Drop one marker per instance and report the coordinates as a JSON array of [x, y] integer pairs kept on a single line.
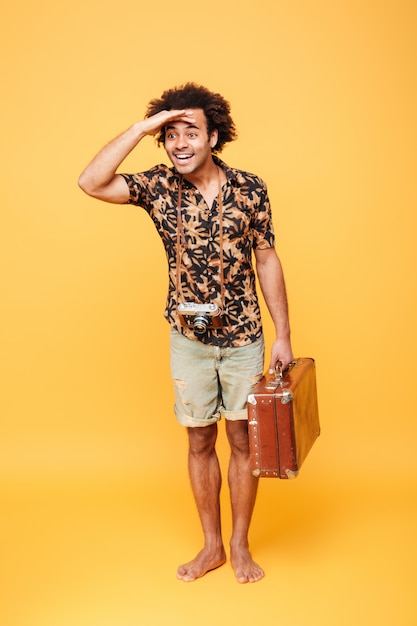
[[213, 542], [238, 544]]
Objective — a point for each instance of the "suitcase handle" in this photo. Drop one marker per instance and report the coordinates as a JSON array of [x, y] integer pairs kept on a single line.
[[278, 380], [278, 370], [279, 373]]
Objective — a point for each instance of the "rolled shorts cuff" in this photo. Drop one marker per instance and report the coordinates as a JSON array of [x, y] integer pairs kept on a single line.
[[234, 416], [194, 422]]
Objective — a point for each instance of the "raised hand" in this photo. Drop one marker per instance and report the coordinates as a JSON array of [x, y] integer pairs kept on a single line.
[[152, 125]]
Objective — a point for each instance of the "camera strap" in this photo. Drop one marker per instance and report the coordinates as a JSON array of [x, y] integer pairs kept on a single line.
[[182, 243]]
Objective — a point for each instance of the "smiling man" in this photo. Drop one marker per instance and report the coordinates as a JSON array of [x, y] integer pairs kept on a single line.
[[187, 143], [210, 217]]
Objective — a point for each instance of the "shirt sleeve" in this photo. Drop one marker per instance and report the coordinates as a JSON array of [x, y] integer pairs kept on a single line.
[[147, 188], [137, 186], [263, 229]]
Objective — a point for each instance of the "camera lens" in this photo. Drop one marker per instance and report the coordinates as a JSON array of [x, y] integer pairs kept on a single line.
[[200, 323]]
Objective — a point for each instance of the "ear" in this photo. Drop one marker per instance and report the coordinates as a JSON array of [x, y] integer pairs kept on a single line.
[[214, 137]]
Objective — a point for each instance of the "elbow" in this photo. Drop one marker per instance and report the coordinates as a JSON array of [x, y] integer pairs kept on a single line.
[[85, 183], [108, 192]]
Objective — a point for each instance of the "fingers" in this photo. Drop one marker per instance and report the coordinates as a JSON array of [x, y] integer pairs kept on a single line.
[[179, 114], [281, 364], [184, 115], [281, 355], [159, 120], [274, 365]]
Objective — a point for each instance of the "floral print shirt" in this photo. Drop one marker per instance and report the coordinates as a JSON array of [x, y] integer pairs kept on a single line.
[[247, 225]]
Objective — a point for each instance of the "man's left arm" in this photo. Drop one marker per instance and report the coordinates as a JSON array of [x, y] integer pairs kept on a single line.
[[272, 283]]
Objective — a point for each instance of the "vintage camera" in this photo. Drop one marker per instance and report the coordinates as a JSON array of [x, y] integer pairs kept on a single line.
[[199, 317]]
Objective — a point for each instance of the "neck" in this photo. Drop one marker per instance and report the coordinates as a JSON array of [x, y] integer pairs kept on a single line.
[[208, 184], [204, 176]]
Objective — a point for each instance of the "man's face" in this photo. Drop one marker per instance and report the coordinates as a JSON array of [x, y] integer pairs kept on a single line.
[[188, 144]]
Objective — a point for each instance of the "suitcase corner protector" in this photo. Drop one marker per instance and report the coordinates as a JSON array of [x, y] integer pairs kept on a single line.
[[256, 473], [251, 398], [291, 474]]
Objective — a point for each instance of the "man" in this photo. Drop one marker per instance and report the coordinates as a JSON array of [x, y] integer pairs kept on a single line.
[[210, 218]]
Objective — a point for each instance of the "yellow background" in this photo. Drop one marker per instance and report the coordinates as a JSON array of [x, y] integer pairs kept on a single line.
[[96, 510]]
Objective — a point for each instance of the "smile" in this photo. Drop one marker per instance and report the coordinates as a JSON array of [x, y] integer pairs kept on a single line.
[[183, 157]]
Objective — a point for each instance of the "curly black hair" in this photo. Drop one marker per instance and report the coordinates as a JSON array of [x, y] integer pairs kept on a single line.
[[192, 96]]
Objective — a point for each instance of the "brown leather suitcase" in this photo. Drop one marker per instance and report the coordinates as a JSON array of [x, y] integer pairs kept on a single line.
[[283, 420]]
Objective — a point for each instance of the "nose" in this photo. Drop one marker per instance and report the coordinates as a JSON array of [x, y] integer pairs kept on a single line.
[[181, 141]]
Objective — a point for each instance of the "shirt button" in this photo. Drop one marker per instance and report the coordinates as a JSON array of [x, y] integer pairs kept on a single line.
[[213, 289]]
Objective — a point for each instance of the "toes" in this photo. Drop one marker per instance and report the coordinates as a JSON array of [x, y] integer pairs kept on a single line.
[[197, 568], [242, 579], [249, 574], [186, 576], [256, 577], [249, 578]]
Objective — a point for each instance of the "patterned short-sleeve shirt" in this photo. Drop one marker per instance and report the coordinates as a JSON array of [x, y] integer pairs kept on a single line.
[[247, 225]]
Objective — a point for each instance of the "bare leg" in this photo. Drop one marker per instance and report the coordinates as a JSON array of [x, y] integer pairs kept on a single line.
[[243, 489], [205, 480]]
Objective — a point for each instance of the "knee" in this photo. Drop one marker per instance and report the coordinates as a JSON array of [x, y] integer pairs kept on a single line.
[[202, 440], [237, 434]]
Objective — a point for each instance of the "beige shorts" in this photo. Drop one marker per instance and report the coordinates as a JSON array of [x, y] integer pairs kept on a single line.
[[210, 381]]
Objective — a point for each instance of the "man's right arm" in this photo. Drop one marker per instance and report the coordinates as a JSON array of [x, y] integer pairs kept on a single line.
[[99, 179]]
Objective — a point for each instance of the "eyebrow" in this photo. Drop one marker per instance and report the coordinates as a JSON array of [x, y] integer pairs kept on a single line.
[[172, 126]]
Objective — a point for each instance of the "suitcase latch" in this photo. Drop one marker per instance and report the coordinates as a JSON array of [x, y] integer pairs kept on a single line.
[[287, 396]]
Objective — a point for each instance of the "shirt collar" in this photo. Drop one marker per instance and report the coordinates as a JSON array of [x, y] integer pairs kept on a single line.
[[233, 176]]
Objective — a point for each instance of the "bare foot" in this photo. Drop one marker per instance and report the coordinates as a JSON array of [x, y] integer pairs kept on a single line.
[[246, 570], [204, 562]]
